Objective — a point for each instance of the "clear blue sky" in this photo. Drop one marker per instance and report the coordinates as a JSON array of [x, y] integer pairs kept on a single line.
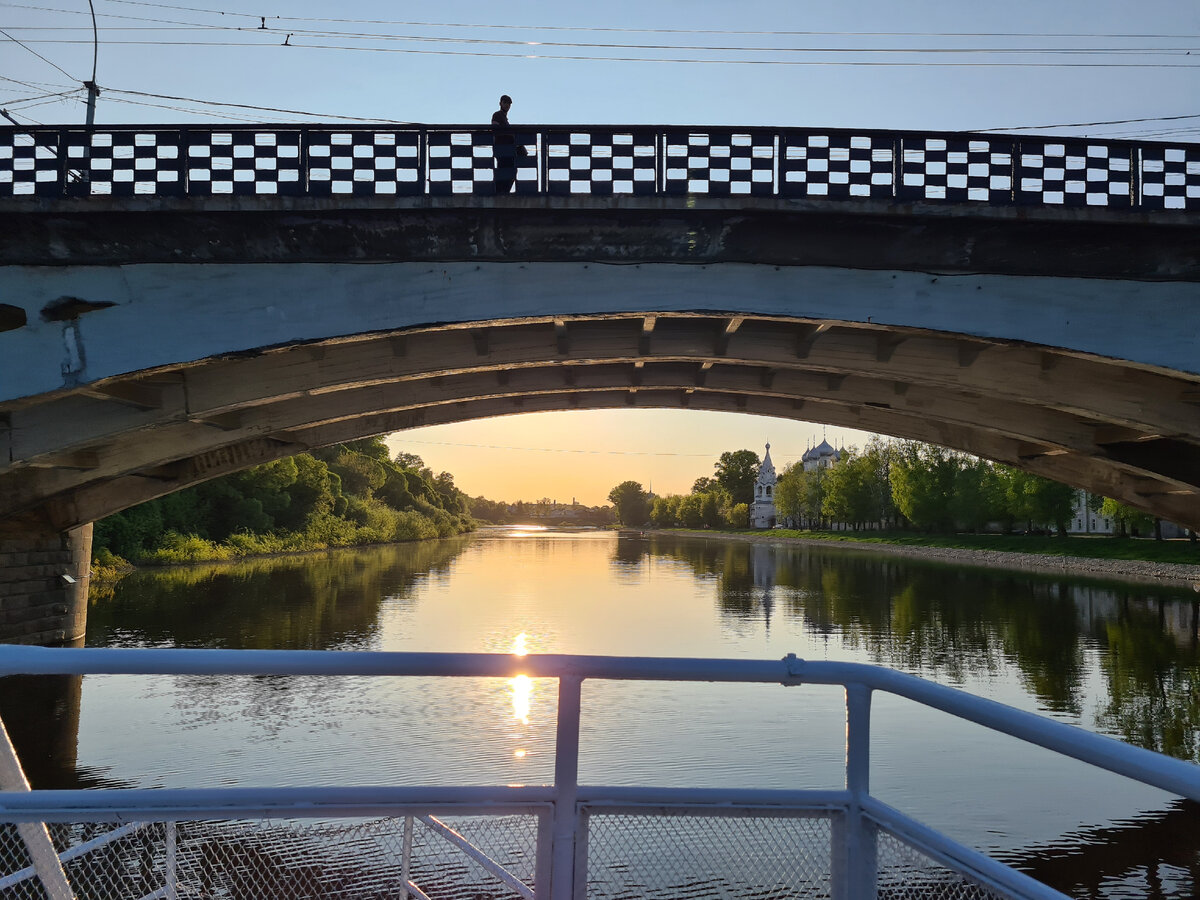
[[938, 65]]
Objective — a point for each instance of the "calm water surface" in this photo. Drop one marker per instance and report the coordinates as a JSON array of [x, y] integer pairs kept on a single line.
[[1119, 659]]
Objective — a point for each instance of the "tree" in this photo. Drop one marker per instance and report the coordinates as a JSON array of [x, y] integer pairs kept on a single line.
[[632, 503], [737, 515], [923, 478], [1126, 517], [788, 493], [978, 495], [704, 485], [851, 492], [736, 472], [877, 455], [691, 510], [799, 495], [665, 511], [1038, 500], [409, 461]]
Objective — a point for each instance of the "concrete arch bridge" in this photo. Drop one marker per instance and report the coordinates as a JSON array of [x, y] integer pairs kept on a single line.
[[180, 304]]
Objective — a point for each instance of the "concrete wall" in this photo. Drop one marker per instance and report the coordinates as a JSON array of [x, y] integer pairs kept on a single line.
[[38, 605]]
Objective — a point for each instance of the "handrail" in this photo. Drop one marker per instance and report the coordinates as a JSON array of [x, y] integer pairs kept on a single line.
[[562, 808], [598, 160], [1176, 776]]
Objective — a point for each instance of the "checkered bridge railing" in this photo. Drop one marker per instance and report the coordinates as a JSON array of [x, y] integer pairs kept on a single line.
[[366, 161]]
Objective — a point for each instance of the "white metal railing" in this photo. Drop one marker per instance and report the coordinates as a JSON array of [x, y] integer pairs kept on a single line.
[[566, 810]]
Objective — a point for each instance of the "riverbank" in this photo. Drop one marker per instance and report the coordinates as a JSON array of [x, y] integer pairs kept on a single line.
[[1051, 560]]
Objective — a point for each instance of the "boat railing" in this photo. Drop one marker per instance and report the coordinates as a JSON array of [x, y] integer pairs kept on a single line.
[[550, 842]]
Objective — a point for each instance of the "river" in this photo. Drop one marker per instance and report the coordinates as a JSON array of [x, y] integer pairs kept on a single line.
[[1120, 659]]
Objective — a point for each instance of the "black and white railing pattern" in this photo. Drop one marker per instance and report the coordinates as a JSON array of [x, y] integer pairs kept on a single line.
[[318, 161]]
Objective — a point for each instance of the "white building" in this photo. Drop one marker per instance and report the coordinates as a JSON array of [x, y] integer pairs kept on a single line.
[[762, 511], [819, 457], [1085, 521]]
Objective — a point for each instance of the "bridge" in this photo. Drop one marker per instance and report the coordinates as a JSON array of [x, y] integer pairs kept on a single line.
[[177, 303]]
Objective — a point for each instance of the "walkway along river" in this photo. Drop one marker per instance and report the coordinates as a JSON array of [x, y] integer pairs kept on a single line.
[[1118, 658]]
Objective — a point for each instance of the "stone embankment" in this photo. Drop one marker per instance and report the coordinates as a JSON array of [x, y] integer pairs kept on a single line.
[[1123, 569]]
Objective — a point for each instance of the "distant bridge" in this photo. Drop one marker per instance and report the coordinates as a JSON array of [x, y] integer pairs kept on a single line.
[[179, 303]]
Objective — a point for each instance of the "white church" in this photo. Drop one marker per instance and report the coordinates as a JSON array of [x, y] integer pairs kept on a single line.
[[762, 511]]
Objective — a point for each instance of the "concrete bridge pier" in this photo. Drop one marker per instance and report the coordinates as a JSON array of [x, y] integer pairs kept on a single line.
[[44, 575]]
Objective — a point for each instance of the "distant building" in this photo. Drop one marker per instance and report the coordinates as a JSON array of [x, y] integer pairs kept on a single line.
[[819, 457], [1087, 521], [762, 511]]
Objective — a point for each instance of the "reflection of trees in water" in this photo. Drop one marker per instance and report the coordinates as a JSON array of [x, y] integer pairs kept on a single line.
[[327, 601], [958, 622], [630, 551], [308, 602], [1083, 863], [1153, 674]]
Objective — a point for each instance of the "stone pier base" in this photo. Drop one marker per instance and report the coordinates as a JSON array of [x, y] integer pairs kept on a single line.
[[44, 577]]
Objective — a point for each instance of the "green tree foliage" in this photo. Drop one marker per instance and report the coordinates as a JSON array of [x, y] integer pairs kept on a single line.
[[736, 473], [800, 495], [979, 495], [632, 503], [704, 485], [347, 494], [665, 511], [1038, 501], [923, 480], [737, 515], [1127, 518], [691, 510], [852, 491]]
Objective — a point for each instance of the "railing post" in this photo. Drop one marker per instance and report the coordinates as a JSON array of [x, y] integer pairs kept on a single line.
[[172, 879], [854, 862], [35, 835], [566, 784], [406, 858]]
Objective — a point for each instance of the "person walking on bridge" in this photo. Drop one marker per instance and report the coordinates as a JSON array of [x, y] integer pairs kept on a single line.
[[504, 147]]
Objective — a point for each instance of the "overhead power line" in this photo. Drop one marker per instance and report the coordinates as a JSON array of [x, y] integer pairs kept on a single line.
[[509, 25], [559, 449], [1194, 62], [38, 55], [275, 109], [1090, 124], [174, 25]]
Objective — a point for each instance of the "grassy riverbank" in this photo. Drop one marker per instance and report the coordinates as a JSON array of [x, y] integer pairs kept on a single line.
[[1086, 547], [1136, 557]]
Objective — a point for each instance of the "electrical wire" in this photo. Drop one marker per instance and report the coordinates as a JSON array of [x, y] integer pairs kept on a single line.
[[12, 103], [593, 45], [1195, 63], [57, 99], [233, 117], [33, 84], [294, 112], [1089, 124], [262, 28], [559, 449], [38, 55], [508, 25]]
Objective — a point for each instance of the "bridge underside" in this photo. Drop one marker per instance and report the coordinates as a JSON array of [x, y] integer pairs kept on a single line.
[[1111, 427]]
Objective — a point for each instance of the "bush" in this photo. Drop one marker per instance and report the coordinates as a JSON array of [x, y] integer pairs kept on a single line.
[[185, 548]]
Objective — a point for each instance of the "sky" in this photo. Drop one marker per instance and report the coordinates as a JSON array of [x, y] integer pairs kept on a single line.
[[1084, 67]]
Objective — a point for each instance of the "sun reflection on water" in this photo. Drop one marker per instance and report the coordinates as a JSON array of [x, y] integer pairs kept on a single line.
[[522, 692]]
